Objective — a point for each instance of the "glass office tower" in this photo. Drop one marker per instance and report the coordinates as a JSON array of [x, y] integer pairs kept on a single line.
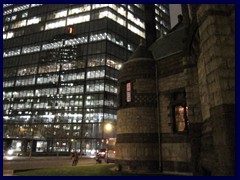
[[61, 65]]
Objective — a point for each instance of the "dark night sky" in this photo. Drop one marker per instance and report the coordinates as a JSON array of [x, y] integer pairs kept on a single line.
[[175, 10]]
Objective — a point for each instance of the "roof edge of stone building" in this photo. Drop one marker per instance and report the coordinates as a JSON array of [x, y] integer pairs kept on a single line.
[[171, 54], [141, 53], [170, 44], [139, 59]]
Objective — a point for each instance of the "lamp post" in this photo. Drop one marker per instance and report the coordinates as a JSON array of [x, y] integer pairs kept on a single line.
[[31, 144], [74, 143], [108, 128]]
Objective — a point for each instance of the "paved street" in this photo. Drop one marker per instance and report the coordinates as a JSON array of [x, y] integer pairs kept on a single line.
[[20, 163]]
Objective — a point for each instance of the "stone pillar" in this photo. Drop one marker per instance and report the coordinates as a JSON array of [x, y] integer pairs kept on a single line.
[[216, 72]]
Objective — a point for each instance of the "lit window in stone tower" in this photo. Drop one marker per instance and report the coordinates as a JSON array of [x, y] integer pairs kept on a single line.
[[128, 88], [180, 118], [179, 112]]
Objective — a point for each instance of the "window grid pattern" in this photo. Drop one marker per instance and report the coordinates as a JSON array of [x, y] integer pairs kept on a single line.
[[65, 97]]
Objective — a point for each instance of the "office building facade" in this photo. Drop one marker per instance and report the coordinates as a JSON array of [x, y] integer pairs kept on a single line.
[[60, 74]]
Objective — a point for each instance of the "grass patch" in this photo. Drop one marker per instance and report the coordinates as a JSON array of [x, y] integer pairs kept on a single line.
[[95, 170]]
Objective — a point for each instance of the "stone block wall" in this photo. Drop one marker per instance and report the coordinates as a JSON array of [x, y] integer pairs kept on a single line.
[[175, 147], [137, 120], [216, 73]]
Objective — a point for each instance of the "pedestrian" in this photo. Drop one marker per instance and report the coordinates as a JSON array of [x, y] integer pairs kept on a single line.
[[75, 159]]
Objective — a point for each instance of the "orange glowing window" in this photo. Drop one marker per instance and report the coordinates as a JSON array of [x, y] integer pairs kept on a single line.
[[179, 112], [70, 30]]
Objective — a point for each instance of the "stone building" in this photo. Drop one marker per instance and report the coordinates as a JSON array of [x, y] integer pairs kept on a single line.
[[177, 98]]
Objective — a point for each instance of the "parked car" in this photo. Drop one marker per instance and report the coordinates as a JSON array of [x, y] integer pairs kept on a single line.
[[101, 153]]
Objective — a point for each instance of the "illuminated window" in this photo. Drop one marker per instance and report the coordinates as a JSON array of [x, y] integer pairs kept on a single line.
[[95, 87], [179, 112], [78, 19], [75, 41], [121, 11], [30, 49], [114, 63], [14, 17], [35, 5], [97, 6], [96, 61], [180, 121], [140, 6], [136, 30], [8, 83], [73, 76], [110, 88], [130, 7], [19, 24], [103, 13], [7, 19], [25, 14], [7, 94], [49, 68], [130, 47], [7, 5], [23, 71], [55, 24], [121, 21], [128, 92], [95, 74], [9, 11], [33, 20], [53, 45], [77, 10], [135, 20], [14, 52], [52, 79], [21, 8], [61, 14], [25, 81]]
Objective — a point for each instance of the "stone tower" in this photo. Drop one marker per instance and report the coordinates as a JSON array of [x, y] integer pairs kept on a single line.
[[137, 126]]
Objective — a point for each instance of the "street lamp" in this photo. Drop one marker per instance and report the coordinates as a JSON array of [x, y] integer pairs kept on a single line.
[[108, 128]]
